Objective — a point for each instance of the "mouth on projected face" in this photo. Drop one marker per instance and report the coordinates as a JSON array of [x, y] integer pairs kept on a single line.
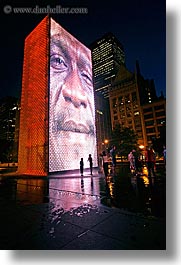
[[72, 126]]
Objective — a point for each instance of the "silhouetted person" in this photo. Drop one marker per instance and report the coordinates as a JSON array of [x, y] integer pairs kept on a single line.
[[113, 156], [137, 163], [90, 163], [100, 163], [150, 160], [105, 163], [81, 166], [131, 160]]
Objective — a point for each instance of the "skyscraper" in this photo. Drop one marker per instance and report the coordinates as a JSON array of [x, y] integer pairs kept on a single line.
[[107, 56], [8, 129], [8, 107]]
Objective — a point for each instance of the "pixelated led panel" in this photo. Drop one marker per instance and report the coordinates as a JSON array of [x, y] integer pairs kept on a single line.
[[33, 139], [72, 132]]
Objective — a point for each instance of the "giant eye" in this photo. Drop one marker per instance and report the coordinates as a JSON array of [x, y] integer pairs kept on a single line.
[[87, 78], [57, 62]]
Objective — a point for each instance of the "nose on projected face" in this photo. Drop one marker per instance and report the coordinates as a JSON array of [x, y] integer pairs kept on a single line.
[[73, 91]]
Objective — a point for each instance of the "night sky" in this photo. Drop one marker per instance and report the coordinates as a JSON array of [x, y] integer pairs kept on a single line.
[[140, 25]]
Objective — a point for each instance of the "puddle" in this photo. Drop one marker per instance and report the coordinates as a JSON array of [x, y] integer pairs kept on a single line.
[[76, 195]]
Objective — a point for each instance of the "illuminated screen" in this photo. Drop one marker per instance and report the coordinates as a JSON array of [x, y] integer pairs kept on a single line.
[[72, 133]]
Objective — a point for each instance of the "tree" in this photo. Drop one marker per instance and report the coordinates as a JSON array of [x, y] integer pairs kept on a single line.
[[5, 148], [125, 139]]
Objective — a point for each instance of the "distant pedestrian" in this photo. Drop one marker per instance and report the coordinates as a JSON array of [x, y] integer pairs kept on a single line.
[[137, 162], [131, 160], [113, 156], [100, 163], [105, 163], [90, 163], [150, 160], [81, 166]]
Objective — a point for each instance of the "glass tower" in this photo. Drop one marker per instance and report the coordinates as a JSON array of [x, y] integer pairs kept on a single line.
[[107, 56]]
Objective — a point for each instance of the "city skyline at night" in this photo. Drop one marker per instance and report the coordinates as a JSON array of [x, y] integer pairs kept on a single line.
[[138, 25]]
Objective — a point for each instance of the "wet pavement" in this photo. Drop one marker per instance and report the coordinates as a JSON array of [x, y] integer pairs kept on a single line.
[[67, 211]]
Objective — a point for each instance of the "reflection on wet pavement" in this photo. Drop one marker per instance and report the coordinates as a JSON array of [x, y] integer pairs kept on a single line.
[[74, 192], [69, 212], [64, 193], [49, 201], [56, 215], [77, 195], [139, 193]]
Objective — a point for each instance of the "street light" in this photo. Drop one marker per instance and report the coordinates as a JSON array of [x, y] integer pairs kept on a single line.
[[106, 141], [141, 147]]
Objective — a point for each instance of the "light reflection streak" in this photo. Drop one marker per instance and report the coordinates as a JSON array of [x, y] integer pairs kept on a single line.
[[145, 180], [145, 171], [75, 192]]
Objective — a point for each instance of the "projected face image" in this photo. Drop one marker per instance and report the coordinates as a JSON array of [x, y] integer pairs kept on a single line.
[[72, 132]]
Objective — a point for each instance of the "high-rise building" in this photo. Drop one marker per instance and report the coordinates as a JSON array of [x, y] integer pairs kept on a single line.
[[103, 122], [107, 56], [16, 133], [125, 103], [146, 87], [8, 108], [57, 117], [134, 104], [8, 112], [154, 115]]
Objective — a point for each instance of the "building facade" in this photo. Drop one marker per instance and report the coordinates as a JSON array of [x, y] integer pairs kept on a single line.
[[107, 56], [8, 108], [125, 103], [154, 115], [103, 122], [134, 104]]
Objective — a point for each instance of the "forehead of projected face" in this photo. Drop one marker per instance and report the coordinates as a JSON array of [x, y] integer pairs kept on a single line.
[[70, 61]]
